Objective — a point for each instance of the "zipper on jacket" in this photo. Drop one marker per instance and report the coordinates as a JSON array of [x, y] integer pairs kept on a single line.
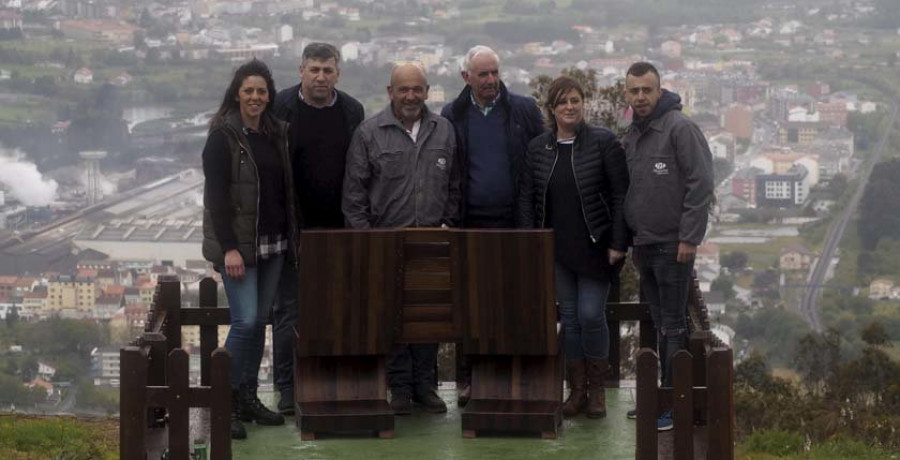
[[256, 229], [293, 230], [578, 190], [608, 212], [547, 184]]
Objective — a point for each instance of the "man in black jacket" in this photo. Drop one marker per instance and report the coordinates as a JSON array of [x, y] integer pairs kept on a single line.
[[493, 127], [322, 121], [667, 205]]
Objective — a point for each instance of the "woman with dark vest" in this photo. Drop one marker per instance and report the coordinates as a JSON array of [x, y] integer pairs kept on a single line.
[[249, 225], [575, 183]]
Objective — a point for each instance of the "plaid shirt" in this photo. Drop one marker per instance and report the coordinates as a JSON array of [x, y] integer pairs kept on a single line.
[[271, 245], [487, 108]]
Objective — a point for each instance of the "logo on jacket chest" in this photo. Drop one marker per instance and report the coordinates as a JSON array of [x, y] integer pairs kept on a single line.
[[660, 169], [441, 163]]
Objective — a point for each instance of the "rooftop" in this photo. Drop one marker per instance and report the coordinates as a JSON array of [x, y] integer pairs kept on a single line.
[[144, 230]]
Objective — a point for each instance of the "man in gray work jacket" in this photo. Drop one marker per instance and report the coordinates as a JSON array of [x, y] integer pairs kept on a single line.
[[667, 205], [402, 172]]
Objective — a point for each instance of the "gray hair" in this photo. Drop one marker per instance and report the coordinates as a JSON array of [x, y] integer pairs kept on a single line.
[[476, 51]]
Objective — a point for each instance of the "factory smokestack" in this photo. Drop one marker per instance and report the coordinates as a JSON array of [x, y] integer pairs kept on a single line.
[[23, 180]]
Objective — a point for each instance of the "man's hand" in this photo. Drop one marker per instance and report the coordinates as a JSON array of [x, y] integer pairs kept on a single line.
[[686, 252], [234, 265], [615, 256]]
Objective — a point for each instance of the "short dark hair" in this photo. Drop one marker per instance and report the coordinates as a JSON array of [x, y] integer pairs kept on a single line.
[[557, 90], [321, 52], [639, 69], [252, 68]]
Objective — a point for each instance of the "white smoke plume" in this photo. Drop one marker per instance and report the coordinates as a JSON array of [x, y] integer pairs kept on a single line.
[[24, 181], [107, 187]]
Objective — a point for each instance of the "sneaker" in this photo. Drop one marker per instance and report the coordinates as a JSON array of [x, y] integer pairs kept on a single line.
[[286, 403], [401, 403], [253, 410], [430, 401], [665, 422], [632, 414]]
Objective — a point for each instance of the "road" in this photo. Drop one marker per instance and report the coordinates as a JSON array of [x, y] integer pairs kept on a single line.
[[809, 304]]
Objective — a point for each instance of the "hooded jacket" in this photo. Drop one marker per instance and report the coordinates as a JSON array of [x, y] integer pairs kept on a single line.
[[671, 172]]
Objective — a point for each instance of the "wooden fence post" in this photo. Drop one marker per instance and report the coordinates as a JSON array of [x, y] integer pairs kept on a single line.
[[647, 405], [178, 405], [156, 343], [170, 300], [209, 336], [133, 403], [697, 347], [220, 405], [683, 405], [648, 335], [720, 397], [615, 336]]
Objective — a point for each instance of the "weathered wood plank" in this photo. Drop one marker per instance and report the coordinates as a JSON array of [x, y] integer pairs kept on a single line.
[[220, 407], [647, 405], [178, 405], [683, 405], [133, 403]]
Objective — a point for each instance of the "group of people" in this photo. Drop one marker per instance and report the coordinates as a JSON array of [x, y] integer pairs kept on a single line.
[[307, 158]]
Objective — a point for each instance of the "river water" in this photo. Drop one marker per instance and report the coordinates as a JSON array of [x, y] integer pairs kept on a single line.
[[138, 114]]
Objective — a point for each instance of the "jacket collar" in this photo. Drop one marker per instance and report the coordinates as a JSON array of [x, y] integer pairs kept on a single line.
[[334, 97], [656, 125], [464, 100], [387, 118], [267, 124]]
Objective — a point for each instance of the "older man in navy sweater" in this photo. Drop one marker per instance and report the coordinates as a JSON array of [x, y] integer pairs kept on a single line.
[[493, 127]]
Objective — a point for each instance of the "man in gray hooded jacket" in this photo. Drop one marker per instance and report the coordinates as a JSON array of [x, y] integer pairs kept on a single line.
[[667, 205]]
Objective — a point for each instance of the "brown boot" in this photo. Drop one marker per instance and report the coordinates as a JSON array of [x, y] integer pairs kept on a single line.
[[575, 374], [596, 376]]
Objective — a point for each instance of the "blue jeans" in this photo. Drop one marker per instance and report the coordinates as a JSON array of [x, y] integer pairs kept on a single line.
[[582, 310], [665, 284], [284, 317], [249, 301]]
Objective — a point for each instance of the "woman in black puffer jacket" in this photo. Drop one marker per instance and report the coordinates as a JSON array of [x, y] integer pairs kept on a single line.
[[575, 183]]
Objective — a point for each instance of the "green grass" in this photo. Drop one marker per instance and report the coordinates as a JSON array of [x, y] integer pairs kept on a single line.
[[17, 114], [762, 255], [773, 444], [34, 71], [45, 45], [33, 438], [893, 351], [848, 269]]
